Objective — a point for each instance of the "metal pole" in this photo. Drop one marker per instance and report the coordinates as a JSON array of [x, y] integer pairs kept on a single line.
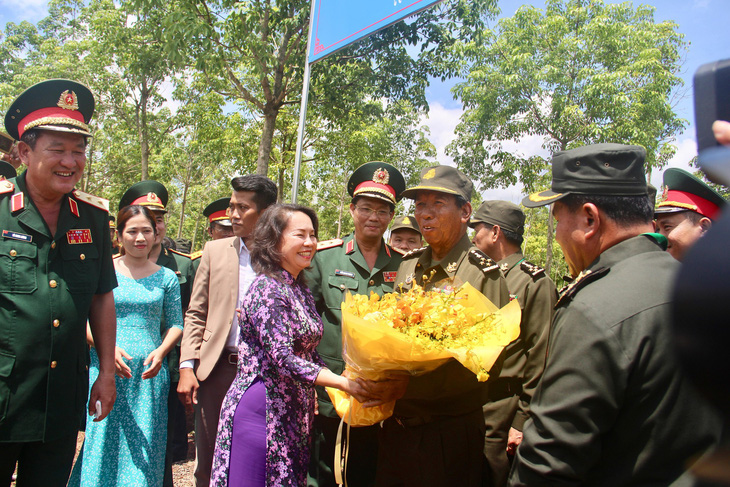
[[302, 111]]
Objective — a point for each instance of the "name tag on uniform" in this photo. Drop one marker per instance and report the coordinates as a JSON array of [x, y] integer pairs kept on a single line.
[[389, 276], [338, 272], [17, 236], [79, 236]]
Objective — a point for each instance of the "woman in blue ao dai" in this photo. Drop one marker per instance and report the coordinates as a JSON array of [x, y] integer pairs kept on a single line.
[[128, 447], [266, 417]]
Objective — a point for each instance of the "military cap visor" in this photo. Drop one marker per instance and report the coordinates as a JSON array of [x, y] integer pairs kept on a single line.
[[7, 171], [217, 212], [685, 192], [599, 169], [151, 194], [378, 180], [59, 105], [442, 179]]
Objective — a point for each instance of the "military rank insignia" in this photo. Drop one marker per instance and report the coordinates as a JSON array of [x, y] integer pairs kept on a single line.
[[451, 268], [79, 236]]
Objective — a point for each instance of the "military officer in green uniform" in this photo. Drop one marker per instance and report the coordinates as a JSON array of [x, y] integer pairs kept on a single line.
[[436, 434], [613, 406], [499, 227], [687, 210], [154, 196], [359, 263], [55, 273], [219, 225], [405, 234]]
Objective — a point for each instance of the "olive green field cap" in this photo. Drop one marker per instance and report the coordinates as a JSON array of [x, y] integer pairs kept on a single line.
[[507, 215], [444, 179], [149, 193], [598, 169], [405, 222]]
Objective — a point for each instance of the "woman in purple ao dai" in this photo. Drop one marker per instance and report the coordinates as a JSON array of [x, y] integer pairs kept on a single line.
[[266, 417]]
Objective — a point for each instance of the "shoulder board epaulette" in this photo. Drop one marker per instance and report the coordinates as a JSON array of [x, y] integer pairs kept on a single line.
[[397, 251], [413, 253], [328, 244], [586, 277], [179, 253], [532, 269], [196, 255], [481, 260], [6, 187], [92, 200]]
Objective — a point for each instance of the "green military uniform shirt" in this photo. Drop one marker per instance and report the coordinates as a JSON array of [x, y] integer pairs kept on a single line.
[[451, 389], [613, 406], [524, 358], [334, 272], [46, 287], [183, 268]]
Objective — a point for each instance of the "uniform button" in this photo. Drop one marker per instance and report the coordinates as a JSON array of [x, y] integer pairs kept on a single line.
[[53, 364], [53, 283], [372, 283], [82, 257], [56, 323], [13, 253], [53, 245], [342, 286]]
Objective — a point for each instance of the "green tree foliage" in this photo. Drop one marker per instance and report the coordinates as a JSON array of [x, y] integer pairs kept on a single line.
[[577, 72]]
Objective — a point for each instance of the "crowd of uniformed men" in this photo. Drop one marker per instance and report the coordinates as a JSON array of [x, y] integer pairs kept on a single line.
[[590, 393]]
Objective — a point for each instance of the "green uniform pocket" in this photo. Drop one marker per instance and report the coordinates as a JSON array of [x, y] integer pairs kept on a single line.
[[81, 267], [18, 267], [7, 362]]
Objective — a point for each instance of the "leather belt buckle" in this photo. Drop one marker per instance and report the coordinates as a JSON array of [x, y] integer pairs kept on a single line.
[[233, 358]]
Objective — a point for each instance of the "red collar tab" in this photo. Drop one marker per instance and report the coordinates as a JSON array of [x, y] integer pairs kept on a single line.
[[17, 202], [74, 207], [350, 248]]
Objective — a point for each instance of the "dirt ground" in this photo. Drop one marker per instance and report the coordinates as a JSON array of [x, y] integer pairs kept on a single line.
[[182, 472]]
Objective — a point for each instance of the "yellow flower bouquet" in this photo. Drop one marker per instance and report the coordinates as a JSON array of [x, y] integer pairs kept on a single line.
[[417, 331]]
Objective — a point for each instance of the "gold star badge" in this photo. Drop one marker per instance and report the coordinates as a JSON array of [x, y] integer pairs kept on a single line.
[[68, 100]]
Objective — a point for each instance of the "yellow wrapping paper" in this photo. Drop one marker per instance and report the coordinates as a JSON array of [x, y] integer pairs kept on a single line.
[[374, 348]]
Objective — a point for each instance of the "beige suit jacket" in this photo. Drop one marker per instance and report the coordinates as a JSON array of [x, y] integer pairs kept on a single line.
[[210, 314]]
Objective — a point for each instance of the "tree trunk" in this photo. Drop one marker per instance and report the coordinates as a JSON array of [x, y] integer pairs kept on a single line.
[[144, 143], [280, 185], [267, 136]]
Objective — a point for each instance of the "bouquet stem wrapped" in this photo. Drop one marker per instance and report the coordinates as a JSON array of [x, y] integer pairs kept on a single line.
[[416, 332]]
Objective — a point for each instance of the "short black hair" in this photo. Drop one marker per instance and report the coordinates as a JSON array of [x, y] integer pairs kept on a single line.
[[30, 137], [624, 210], [263, 188], [512, 237]]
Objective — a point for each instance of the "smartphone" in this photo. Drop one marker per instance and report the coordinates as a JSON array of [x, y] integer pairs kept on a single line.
[[712, 100]]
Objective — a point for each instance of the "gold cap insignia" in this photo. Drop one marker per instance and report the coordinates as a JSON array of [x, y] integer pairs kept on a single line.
[[152, 197], [406, 221], [430, 174], [68, 100], [381, 176]]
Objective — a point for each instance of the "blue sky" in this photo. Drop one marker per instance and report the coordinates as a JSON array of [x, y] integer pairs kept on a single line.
[[703, 22]]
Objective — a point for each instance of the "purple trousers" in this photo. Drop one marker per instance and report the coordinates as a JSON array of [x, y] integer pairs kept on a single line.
[[248, 445]]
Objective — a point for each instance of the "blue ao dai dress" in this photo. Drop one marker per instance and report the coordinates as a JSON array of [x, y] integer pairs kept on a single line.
[[127, 448]]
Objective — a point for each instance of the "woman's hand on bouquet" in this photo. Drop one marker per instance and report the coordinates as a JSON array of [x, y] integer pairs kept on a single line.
[[154, 359], [384, 391], [122, 368]]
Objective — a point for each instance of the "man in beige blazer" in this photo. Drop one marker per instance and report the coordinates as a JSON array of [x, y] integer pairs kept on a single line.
[[209, 349]]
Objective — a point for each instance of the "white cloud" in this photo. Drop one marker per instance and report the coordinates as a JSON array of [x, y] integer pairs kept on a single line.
[[442, 122], [686, 151]]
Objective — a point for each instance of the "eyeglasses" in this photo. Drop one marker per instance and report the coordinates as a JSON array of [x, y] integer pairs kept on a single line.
[[367, 212]]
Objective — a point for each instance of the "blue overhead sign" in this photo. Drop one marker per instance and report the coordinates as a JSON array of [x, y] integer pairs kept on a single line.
[[338, 23]]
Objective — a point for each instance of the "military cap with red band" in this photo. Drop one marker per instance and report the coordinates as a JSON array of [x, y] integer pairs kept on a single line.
[[149, 193], [377, 180], [217, 212], [60, 105], [685, 192]]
